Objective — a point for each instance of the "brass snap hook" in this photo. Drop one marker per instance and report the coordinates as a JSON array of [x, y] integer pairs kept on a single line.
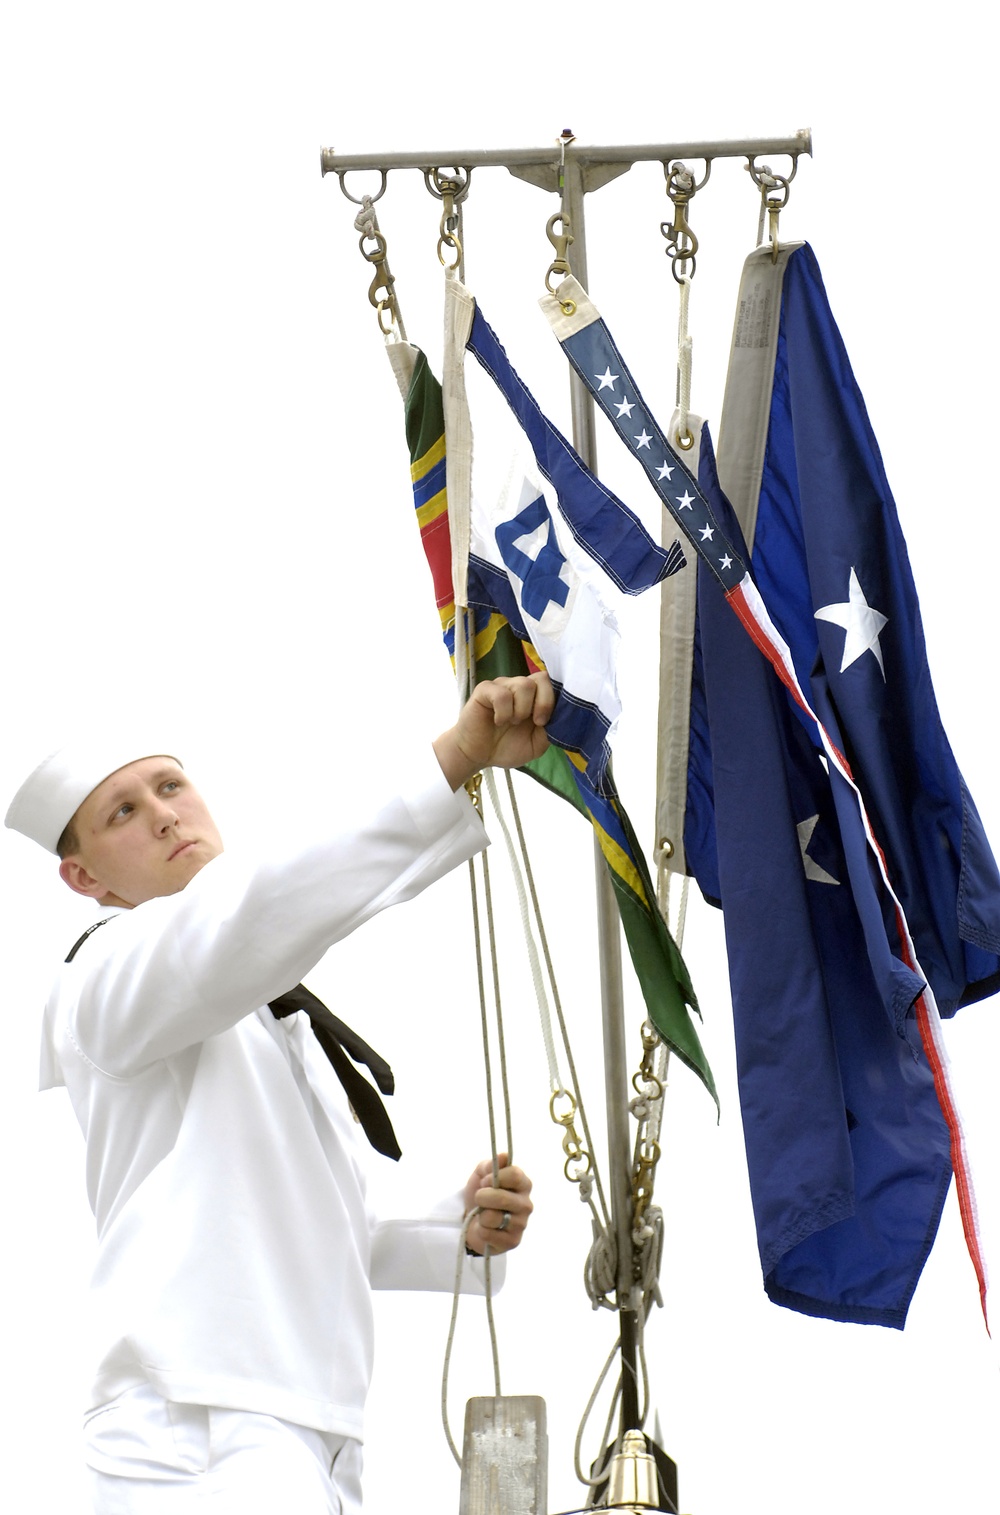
[[774, 193], [560, 240], [451, 189], [682, 244]]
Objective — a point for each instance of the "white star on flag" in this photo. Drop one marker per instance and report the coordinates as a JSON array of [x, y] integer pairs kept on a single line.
[[643, 439], [665, 471], [861, 622], [607, 378], [725, 562], [810, 867], [626, 408], [685, 500], [707, 533]]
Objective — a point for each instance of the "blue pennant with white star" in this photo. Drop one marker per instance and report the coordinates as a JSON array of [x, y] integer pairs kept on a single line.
[[591, 349], [603, 525]]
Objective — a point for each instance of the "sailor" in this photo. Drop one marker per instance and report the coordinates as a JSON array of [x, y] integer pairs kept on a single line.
[[236, 1253]]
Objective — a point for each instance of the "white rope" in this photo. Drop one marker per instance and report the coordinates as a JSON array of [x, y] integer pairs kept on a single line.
[[600, 1271], [641, 1351], [592, 1480], [537, 979], [460, 1261], [664, 877], [656, 1105], [650, 1244], [682, 911], [663, 883], [484, 1023], [684, 352], [600, 1476], [592, 1178], [446, 1372], [595, 1269], [365, 221]]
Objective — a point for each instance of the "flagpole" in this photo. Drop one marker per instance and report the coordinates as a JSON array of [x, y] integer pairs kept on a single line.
[[608, 929]]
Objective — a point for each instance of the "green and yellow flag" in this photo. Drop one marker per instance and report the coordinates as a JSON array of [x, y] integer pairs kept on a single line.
[[500, 651]]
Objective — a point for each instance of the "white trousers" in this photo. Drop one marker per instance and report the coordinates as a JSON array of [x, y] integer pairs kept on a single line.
[[148, 1456]]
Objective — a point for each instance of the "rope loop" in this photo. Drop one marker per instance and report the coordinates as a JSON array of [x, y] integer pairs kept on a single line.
[[601, 1268], [566, 1118], [649, 1242], [381, 292], [449, 1345], [647, 1085]]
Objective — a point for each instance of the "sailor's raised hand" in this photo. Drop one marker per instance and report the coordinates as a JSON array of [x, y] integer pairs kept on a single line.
[[502, 725]]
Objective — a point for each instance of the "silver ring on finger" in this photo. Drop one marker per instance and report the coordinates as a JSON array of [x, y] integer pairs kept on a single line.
[[505, 1222]]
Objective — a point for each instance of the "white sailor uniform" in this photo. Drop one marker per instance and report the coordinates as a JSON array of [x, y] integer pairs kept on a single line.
[[236, 1252]]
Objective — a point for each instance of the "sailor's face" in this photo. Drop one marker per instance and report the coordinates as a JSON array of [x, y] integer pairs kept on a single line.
[[142, 833]]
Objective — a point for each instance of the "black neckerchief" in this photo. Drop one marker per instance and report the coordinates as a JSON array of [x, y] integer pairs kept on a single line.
[[337, 1041]]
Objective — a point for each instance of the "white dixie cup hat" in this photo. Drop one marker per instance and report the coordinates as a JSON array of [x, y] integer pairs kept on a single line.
[[54, 791]]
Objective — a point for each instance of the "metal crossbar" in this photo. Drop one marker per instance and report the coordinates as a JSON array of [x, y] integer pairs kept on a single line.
[[598, 164]]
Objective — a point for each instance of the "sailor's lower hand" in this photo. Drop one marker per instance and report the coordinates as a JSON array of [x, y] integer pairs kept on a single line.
[[503, 1211]]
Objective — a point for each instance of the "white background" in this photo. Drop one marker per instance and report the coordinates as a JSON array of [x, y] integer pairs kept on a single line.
[[207, 521]]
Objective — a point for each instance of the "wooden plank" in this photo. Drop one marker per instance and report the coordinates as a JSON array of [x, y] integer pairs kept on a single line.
[[505, 1456]]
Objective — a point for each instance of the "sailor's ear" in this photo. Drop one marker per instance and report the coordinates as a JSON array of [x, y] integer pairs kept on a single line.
[[73, 873]]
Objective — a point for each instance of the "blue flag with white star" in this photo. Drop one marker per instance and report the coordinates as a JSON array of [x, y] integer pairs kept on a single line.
[[829, 558], [848, 1152], [528, 559], [591, 349], [850, 1122], [603, 525]]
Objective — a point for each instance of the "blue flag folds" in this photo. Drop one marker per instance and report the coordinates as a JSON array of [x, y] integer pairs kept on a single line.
[[829, 558], [847, 1148], [822, 821], [603, 525]]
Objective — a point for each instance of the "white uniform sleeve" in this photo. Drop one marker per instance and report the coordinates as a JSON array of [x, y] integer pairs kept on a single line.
[[423, 1253], [175, 971]]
